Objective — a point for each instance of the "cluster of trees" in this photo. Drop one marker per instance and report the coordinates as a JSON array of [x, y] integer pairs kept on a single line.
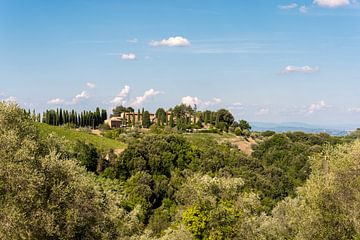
[[61, 117], [141, 119], [214, 186], [293, 186], [184, 117]]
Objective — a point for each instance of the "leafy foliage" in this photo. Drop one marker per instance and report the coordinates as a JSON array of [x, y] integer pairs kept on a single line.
[[165, 186]]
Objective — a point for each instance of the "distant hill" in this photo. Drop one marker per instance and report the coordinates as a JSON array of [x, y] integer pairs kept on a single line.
[[304, 127]]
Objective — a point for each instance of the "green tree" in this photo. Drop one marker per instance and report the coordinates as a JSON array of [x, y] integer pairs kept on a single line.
[[44, 194], [327, 206], [171, 121], [225, 116], [146, 123], [244, 125], [87, 155]]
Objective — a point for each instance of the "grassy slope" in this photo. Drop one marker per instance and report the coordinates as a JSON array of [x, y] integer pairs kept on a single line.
[[199, 137], [240, 142], [72, 135]]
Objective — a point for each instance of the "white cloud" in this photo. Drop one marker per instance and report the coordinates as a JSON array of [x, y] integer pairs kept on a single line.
[[331, 3], [10, 99], [237, 106], [56, 101], [81, 96], [121, 98], [289, 6], [177, 41], [90, 85], [355, 109], [133, 40], [128, 56], [147, 94], [303, 9], [213, 101], [317, 106], [192, 101], [304, 69], [262, 111]]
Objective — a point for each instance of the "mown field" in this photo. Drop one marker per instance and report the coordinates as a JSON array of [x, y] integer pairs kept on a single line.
[[73, 135]]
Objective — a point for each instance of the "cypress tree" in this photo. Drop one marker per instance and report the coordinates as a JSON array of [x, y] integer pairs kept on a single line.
[[103, 115], [128, 120], [146, 120], [171, 121], [97, 116], [217, 121], [61, 119], [57, 117]]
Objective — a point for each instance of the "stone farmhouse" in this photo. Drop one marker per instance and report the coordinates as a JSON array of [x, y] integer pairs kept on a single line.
[[123, 120]]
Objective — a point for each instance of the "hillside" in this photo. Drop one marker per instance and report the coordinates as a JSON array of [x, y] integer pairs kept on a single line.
[[72, 135], [240, 142]]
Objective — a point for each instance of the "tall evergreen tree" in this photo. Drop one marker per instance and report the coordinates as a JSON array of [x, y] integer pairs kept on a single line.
[[146, 120], [128, 120], [171, 121]]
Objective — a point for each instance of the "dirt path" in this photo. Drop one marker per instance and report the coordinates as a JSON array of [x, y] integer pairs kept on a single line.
[[96, 132], [242, 144], [119, 150]]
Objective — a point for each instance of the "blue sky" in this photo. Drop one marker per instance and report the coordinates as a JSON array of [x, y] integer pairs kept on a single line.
[[270, 61]]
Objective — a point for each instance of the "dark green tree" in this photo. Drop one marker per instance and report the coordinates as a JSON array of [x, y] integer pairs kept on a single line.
[[146, 123]]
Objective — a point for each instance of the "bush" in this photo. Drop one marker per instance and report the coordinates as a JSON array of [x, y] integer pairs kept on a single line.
[[268, 133], [104, 127], [238, 131]]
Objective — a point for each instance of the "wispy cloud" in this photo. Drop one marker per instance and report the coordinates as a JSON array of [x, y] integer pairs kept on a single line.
[[331, 3], [177, 41], [296, 69], [90, 85], [192, 101], [237, 106], [10, 99], [56, 101], [303, 9], [79, 97], [262, 111], [354, 109], [128, 56], [314, 107], [147, 95], [133, 40], [288, 6], [121, 97]]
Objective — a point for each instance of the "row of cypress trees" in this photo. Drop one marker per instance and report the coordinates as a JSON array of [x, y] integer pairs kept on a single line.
[[60, 117]]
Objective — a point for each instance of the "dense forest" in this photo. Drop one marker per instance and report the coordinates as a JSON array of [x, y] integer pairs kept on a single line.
[[165, 185]]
